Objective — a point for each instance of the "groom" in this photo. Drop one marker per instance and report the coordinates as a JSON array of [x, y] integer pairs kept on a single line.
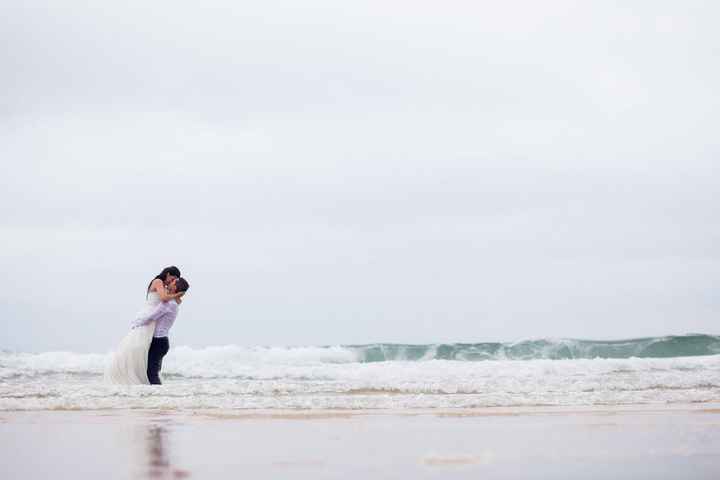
[[164, 318]]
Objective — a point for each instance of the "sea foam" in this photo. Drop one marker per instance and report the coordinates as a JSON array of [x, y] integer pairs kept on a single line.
[[379, 376]]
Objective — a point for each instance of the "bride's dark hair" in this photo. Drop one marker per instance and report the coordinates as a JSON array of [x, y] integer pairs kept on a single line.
[[173, 270]]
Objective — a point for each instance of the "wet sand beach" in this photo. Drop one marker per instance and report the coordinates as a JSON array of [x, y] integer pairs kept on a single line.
[[681, 441]]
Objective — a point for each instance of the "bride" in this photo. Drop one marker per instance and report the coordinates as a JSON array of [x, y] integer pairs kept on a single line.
[[128, 365]]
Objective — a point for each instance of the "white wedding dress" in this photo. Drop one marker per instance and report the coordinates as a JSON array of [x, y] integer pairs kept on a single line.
[[128, 365]]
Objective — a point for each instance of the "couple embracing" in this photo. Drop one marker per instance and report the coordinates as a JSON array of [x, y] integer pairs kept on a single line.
[[138, 359]]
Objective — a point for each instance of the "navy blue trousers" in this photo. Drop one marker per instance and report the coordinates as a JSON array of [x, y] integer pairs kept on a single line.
[[158, 349]]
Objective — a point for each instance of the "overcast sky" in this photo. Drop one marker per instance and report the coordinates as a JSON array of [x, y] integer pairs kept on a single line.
[[355, 172]]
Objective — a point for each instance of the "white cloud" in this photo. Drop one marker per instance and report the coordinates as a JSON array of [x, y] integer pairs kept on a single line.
[[386, 171]]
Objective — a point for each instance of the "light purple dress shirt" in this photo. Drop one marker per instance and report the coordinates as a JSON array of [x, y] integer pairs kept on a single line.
[[164, 317]]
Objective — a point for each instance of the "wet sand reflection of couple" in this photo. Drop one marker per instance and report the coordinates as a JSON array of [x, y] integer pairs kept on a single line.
[[158, 464]]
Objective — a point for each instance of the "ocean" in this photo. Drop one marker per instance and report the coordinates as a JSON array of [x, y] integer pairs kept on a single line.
[[543, 372]]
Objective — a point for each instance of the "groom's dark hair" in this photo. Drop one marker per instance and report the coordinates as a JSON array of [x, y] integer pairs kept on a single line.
[[181, 285]]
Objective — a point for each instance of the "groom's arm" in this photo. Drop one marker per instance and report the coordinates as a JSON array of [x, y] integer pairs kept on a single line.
[[161, 310]]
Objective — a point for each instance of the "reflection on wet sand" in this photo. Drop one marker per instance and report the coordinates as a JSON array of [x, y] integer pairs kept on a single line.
[[158, 463]]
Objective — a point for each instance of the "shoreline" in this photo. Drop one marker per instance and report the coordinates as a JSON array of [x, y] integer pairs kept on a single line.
[[700, 407]]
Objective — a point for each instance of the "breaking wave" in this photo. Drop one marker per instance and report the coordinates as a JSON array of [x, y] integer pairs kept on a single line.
[[236, 361], [551, 349], [677, 369]]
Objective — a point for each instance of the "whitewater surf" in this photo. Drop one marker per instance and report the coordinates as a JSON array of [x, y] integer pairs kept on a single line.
[[544, 372]]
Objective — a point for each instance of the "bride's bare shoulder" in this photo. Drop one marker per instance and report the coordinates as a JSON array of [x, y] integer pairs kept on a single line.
[[156, 285]]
